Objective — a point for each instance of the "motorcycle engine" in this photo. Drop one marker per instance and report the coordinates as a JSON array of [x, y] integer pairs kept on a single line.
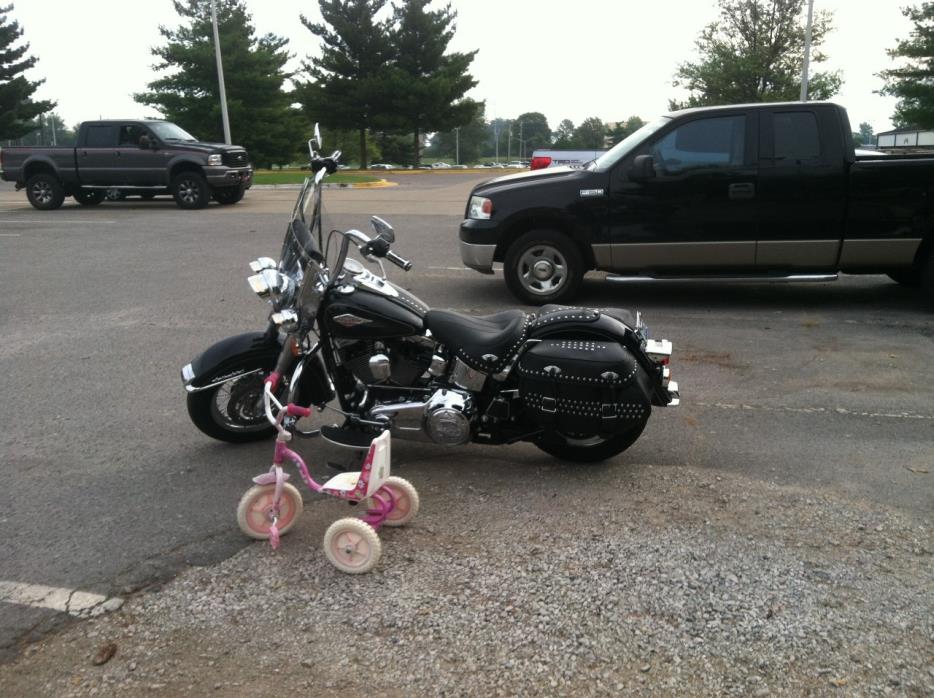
[[447, 417], [394, 361]]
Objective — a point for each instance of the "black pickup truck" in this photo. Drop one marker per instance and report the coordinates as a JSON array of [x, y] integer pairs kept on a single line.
[[759, 191], [145, 157]]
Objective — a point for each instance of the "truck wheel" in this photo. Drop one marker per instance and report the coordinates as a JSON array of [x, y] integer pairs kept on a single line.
[[45, 192], [228, 195], [190, 190], [89, 197], [543, 266], [927, 278]]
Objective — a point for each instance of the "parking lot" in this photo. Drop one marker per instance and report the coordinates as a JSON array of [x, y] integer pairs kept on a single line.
[[794, 483]]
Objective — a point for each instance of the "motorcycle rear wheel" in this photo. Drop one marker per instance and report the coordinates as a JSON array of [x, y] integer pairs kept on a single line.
[[592, 449], [232, 411]]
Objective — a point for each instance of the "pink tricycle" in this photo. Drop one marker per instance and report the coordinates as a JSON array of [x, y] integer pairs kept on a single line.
[[271, 507]]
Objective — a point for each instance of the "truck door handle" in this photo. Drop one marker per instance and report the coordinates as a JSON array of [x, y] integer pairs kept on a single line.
[[742, 190]]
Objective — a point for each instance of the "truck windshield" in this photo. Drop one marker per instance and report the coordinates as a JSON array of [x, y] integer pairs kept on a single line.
[[627, 145], [170, 132]]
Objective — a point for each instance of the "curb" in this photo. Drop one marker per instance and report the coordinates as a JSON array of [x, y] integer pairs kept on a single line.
[[381, 184]]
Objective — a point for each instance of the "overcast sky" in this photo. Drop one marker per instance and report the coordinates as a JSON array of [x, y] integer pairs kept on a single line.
[[569, 59]]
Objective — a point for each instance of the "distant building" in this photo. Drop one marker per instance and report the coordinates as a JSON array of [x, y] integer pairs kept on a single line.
[[905, 138]]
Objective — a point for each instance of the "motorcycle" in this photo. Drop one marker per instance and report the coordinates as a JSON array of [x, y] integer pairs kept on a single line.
[[579, 383]]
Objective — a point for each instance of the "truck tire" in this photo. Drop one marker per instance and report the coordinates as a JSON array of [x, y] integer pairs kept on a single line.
[[228, 195], [543, 266], [45, 192], [190, 190], [89, 197], [927, 278]]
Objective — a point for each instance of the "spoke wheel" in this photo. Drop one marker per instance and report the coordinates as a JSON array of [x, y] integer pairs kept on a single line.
[[352, 546], [232, 411], [257, 511]]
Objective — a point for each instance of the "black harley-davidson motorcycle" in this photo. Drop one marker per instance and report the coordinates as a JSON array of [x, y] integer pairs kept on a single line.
[[579, 383]]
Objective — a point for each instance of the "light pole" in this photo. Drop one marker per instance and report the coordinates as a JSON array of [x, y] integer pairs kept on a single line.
[[496, 127], [807, 53], [457, 145], [220, 75]]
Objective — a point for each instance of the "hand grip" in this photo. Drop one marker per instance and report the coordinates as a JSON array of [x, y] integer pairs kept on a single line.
[[403, 264], [297, 411]]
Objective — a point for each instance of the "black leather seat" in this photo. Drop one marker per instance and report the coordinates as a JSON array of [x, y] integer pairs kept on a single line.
[[485, 343], [627, 317]]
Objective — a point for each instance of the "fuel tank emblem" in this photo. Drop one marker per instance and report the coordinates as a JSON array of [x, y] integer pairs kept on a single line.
[[350, 320]]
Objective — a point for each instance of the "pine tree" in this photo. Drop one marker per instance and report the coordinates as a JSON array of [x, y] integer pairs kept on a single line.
[[913, 82], [348, 86], [18, 111], [427, 85], [754, 53], [261, 118]]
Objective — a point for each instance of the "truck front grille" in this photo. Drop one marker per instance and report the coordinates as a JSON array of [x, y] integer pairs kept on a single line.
[[236, 158]]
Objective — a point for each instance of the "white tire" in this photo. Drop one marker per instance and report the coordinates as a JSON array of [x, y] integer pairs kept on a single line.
[[254, 512], [352, 546], [406, 498]]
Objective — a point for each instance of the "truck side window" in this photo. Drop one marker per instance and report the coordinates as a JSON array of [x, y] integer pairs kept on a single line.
[[703, 143], [130, 135], [796, 136], [100, 137]]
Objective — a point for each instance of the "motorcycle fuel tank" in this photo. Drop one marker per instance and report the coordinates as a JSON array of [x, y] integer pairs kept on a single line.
[[359, 311]]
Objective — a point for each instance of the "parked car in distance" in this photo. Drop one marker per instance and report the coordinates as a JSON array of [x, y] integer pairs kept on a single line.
[[440, 166], [563, 158], [381, 166], [458, 167], [755, 192], [515, 165], [143, 156]]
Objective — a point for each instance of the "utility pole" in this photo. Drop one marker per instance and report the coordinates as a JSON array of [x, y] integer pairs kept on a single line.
[[807, 54], [220, 75], [496, 127], [457, 145], [509, 144], [521, 143], [52, 121]]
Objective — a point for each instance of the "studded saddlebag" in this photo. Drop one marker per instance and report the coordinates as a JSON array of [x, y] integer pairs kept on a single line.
[[584, 387]]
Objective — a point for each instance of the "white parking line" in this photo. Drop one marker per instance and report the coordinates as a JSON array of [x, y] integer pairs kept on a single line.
[[816, 410], [10, 235], [81, 604], [68, 221]]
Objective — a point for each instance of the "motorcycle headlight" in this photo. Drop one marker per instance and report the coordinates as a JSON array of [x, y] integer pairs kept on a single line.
[[216, 159], [272, 285]]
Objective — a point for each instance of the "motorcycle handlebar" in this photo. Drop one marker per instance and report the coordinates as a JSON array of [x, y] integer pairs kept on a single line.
[[403, 264]]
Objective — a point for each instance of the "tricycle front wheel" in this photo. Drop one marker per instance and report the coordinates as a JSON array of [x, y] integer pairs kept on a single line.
[[256, 510]]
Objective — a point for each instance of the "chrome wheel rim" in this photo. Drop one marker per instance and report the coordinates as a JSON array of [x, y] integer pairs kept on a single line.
[[238, 405], [188, 191], [42, 192], [543, 270]]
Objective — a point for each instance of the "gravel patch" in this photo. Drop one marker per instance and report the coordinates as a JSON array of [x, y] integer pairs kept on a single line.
[[603, 581]]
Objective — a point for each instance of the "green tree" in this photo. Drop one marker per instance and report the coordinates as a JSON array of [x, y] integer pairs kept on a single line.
[[18, 111], [474, 139], [625, 128], [428, 85], [913, 82], [564, 135], [535, 132], [589, 135], [261, 118], [348, 86], [754, 53], [864, 136]]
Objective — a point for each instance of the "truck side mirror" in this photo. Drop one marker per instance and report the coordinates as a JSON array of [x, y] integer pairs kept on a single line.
[[643, 168]]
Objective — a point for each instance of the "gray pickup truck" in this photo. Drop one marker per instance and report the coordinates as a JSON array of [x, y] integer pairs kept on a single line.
[[144, 157]]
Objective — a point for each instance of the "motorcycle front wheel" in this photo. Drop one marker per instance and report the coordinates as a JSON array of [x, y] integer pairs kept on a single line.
[[591, 449], [232, 411]]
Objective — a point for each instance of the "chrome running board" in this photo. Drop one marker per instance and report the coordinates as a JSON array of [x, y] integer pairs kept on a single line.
[[619, 278]]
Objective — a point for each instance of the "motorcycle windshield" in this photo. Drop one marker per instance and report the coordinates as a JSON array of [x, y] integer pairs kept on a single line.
[[302, 235]]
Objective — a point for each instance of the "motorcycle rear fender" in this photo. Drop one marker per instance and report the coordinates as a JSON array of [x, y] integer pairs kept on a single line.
[[231, 357]]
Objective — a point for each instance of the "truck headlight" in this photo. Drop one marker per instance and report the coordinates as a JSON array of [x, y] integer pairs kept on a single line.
[[216, 159], [480, 208]]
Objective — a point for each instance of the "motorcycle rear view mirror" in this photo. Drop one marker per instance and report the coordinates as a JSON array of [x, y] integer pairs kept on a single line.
[[383, 229]]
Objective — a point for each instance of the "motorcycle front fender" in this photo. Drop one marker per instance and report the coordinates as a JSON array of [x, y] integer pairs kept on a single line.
[[232, 357]]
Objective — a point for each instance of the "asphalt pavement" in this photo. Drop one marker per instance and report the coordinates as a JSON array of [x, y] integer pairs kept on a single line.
[[109, 488]]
